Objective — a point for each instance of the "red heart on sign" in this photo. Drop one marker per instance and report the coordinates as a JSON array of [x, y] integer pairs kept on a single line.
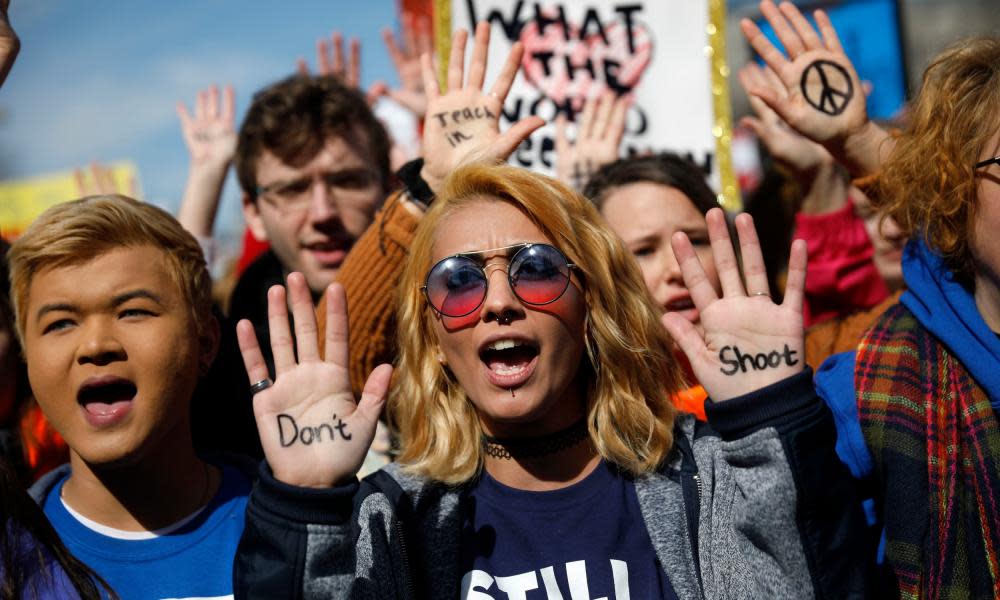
[[563, 69]]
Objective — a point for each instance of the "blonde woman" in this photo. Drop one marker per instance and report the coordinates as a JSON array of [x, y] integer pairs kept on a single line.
[[539, 454]]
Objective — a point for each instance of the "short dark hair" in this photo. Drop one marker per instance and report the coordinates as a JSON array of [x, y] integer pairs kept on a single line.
[[293, 118], [666, 168]]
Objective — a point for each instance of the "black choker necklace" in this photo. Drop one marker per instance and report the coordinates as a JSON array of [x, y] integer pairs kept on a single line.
[[532, 447]]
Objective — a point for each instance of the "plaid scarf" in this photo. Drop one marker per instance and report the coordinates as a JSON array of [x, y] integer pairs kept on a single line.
[[935, 442]]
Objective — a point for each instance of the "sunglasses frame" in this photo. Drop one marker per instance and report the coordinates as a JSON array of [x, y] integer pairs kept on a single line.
[[510, 260], [988, 162]]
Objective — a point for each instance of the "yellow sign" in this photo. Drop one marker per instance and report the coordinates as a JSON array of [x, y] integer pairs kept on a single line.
[[22, 200]]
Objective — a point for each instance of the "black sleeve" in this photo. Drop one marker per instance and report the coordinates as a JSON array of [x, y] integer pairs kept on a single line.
[[271, 556], [830, 518]]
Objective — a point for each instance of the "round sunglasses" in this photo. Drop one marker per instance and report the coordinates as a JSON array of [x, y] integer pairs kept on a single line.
[[538, 274]]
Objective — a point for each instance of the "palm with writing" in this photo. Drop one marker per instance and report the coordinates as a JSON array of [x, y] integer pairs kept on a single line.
[[821, 96], [463, 123], [599, 132], [311, 393], [739, 324], [786, 145]]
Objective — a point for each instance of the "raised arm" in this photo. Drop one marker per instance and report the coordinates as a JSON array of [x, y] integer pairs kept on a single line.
[[463, 120], [210, 137], [782, 518], [824, 185], [405, 54], [821, 95], [312, 431], [599, 130], [10, 44]]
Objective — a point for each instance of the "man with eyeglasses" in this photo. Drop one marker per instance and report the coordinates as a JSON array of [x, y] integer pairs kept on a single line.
[[313, 162], [314, 166]]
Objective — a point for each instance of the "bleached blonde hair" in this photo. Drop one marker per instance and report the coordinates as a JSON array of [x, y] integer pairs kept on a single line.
[[631, 372]]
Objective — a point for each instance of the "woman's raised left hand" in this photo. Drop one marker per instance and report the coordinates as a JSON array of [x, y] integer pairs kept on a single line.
[[746, 340]]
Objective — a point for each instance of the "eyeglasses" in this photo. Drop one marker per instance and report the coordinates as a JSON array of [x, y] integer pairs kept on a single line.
[[988, 162], [538, 274], [292, 196]]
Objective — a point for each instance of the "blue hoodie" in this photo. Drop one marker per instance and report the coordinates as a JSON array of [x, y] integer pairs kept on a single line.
[[947, 310]]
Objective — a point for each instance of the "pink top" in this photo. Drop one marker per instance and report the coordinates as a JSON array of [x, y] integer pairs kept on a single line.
[[840, 277]]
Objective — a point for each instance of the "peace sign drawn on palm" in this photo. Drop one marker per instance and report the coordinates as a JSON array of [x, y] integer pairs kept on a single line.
[[822, 96]]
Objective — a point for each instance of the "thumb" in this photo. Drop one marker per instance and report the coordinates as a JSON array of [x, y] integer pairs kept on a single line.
[[374, 394], [685, 334], [509, 140]]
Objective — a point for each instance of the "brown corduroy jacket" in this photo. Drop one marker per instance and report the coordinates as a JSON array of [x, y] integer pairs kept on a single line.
[[369, 276], [843, 334]]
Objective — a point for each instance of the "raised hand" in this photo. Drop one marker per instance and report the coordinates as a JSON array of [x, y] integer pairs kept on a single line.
[[10, 44], [746, 341], [786, 145], [330, 60], [210, 134], [312, 431], [405, 55], [824, 186], [99, 179], [210, 137], [599, 132], [822, 96], [463, 123]]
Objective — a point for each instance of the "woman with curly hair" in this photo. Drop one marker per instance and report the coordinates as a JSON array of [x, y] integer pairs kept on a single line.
[[538, 449], [917, 402]]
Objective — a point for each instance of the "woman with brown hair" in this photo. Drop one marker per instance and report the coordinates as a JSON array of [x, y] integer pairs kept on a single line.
[[917, 403], [538, 448]]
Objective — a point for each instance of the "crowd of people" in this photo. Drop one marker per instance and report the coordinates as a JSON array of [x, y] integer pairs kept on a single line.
[[453, 376]]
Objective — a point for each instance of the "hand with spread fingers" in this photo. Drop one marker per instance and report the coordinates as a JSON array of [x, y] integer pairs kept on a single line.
[[746, 340], [599, 130], [405, 55], [210, 134], [462, 125], [330, 60], [821, 95], [313, 432], [824, 185], [99, 179], [210, 137]]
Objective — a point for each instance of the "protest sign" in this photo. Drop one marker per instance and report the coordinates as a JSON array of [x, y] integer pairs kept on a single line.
[[668, 54], [22, 200]]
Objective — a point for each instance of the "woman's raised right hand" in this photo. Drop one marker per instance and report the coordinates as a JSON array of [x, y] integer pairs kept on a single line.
[[313, 432]]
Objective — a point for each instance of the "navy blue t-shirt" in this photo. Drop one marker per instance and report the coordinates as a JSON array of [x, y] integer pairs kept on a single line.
[[585, 541]]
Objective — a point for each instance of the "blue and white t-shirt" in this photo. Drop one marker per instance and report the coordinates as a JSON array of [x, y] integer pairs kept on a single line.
[[584, 541], [191, 559]]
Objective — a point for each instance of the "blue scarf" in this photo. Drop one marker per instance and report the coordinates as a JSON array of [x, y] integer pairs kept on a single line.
[[947, 309]]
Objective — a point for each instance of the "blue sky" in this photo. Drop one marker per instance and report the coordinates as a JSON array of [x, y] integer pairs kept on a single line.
[[99, 80]]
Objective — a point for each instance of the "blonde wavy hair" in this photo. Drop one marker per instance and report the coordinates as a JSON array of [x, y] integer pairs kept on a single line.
[[631, 372], [928, 185], [73, 233]]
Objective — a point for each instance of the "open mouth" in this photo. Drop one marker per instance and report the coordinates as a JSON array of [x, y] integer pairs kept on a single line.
[[106, 400], [679, 304], [509, 362], [329, 252]]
